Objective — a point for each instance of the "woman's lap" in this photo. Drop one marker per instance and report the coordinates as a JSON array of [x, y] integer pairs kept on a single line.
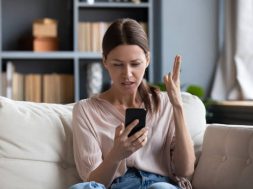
[[162, 185], [88, 185], [133, 179], [94, 185]]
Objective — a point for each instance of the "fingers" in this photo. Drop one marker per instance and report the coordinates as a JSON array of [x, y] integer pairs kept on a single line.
[[119, 130], [138, 134], [139, 138], [175, 75], [168, 82], [176, 68], [129, 128]]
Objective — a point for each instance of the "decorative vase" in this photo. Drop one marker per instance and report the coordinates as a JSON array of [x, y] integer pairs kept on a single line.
[[94, 73]]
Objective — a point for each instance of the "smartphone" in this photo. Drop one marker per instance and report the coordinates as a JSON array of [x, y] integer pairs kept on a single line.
[[135, 113]]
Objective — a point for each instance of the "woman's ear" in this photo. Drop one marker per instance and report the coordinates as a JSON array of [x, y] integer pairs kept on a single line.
[[104, 62]]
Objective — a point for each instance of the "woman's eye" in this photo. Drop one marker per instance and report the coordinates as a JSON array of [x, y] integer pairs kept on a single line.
[[135, 64], [117, 65]]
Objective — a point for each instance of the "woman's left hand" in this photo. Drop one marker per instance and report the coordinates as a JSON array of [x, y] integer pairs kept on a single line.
[[172, 83]]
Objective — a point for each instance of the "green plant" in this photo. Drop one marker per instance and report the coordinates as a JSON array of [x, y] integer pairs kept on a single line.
[[196, 90]]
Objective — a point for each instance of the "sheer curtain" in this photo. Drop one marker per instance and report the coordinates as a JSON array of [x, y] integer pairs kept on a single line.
[[234, 74]]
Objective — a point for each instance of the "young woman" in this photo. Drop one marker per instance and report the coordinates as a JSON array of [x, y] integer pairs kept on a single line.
[[161, 155]]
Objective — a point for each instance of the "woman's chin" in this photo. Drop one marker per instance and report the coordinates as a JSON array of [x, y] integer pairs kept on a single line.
[[128, 88]]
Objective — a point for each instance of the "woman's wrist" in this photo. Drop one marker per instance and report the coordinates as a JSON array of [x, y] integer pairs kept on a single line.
[[177, 105], [112, 156]]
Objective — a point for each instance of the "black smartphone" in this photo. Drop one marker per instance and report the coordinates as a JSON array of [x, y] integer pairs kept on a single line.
[[135, 113]]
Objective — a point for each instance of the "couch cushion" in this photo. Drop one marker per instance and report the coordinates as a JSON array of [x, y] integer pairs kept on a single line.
[[195, 113], [36, 145], [226, 160]]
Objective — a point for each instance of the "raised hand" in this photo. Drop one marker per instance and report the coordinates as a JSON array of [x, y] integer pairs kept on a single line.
[[172, 83]]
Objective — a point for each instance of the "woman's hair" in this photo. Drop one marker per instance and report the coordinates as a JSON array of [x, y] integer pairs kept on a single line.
[[130, 32]]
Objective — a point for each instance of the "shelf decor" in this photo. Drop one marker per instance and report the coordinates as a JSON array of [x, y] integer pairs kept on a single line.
[[94, 73], [58, 44], [45, 35]]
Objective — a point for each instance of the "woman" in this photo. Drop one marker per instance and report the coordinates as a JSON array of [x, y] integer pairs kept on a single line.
[[160, 155]]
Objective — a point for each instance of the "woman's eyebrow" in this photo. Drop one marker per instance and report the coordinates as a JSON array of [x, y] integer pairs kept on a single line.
[[117, 60], [136, 60]]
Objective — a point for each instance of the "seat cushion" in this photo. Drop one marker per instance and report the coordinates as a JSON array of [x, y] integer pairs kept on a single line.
[[226, 160], [36, 145]]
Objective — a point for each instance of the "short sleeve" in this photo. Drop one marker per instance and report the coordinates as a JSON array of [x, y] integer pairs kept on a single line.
[[87, 152]]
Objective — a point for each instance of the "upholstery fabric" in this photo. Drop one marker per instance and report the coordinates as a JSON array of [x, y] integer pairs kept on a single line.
[[227, 158], [35, 145], [195, 113]]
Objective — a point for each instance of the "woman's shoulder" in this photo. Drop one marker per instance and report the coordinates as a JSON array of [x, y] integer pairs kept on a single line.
[[86, 103]]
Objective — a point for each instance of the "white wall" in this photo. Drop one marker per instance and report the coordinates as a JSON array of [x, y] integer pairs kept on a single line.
[[190, 28]]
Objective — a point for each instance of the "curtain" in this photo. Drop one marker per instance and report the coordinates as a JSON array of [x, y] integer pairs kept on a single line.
[[234, 73]]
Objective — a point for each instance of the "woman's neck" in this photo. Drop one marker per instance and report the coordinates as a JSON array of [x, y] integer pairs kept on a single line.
[[122, 101]]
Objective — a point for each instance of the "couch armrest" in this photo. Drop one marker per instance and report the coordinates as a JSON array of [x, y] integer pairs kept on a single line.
[[226, 160]]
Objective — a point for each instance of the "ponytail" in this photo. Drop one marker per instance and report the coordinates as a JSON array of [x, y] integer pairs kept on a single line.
[[145, 90]]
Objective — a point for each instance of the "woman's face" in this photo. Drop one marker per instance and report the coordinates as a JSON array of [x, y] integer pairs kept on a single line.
[[126, 65]]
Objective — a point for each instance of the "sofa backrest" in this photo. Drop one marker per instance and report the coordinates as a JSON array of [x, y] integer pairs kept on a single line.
[[36, 146], [226, 160], [195, 115], [36, 142]]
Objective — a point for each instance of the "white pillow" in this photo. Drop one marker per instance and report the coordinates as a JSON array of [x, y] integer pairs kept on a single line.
[[195, 115]]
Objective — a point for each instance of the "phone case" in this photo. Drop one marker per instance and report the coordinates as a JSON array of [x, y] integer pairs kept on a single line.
[[135, 113]]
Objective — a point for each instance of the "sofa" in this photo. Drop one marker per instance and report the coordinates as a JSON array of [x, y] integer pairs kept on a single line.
[[36, 147]]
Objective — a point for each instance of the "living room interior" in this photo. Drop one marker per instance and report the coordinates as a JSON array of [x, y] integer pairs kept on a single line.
[[50, 58]]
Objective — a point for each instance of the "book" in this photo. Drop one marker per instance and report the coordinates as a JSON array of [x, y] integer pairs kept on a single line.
[[33, 87], [3, 84], [18, 86], [58, 88], [10, 68]]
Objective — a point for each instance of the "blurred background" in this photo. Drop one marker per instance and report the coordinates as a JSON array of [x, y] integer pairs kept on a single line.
[[50, 50]]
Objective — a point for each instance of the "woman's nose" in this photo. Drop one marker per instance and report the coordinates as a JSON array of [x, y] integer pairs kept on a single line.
[[127, 71]]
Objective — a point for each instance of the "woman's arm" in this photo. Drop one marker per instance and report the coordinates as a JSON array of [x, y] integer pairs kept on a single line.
[[184, 156], [123, 147], [105, 172]]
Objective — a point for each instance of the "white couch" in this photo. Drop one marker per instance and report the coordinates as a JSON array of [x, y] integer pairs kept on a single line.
[[36, 148]]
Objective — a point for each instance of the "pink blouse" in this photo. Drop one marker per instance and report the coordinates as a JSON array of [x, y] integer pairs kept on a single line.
[[94, 124]]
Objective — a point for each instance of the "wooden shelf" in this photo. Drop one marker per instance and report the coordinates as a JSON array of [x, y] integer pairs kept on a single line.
[[50, 55], [37, 55], [231, 112], [112, 5]]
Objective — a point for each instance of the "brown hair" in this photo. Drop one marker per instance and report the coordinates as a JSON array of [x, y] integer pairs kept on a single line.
[[129, 31]]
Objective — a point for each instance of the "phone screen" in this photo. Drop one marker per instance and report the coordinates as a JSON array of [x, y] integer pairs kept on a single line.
[[135, 113]]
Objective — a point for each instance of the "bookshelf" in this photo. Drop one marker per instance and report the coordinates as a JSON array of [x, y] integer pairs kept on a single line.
[[16, 21]]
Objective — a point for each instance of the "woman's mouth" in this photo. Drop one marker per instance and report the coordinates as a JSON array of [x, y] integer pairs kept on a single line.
[[128, 83]]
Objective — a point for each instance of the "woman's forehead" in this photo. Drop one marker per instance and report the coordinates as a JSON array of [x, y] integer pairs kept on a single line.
[[130, 51]]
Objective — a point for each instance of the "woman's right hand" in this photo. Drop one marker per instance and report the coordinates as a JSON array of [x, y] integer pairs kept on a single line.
[[124, 146]]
